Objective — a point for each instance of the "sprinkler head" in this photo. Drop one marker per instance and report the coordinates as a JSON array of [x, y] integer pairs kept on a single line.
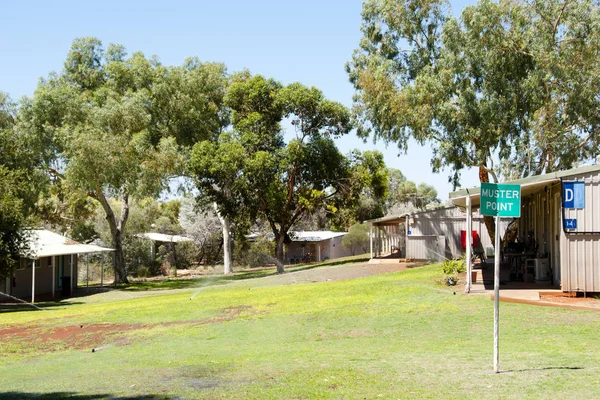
[[93, 350]]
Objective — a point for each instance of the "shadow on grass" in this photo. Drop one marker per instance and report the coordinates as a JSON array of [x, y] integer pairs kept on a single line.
[[186, 283], [329, 264], [10, 304], [541, 369], [68, 395], [215, 279]]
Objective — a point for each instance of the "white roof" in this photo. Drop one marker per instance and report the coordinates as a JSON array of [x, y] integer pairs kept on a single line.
[[161, 237], [44, 243], [314, 236]]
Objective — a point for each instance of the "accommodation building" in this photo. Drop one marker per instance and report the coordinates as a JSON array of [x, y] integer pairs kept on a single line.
[[49, 267], [560, 220], [434, 235], [315, 246]]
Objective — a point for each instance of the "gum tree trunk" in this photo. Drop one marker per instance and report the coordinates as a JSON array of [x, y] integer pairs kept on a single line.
[[116, 230], [227, 253]]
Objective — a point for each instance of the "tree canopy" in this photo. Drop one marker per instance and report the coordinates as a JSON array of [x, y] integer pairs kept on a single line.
[[510, 87], [21, 182], [115, 126], [252, 169], [515, 81]]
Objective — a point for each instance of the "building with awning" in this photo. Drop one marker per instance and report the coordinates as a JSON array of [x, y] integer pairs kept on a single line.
[[558, 230], [49, 267], [307, 246], [431, 235]]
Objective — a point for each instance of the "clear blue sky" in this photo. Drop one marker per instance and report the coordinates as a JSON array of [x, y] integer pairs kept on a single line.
[[307, 41]]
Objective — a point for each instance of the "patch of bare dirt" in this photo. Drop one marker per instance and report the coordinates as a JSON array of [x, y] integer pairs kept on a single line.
[[93, 335], [578, 301]]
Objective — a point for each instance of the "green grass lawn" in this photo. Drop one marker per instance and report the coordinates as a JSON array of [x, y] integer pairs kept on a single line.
[[390, 336]]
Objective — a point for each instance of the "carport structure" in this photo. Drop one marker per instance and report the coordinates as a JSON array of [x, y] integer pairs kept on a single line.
[[160, 238], [386, 234]]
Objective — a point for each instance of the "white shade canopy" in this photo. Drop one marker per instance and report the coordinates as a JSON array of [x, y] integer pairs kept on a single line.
[[314, 236], [44, 243], [161, 237]]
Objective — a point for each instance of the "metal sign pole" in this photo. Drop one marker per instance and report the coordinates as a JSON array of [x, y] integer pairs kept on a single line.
[[499, 200], [497, 295]]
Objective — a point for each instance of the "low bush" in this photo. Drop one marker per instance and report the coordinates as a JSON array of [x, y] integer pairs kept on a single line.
[[255, 254], [451, 270]]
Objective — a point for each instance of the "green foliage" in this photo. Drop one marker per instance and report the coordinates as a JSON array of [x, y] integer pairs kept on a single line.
[[452, 269], [363, 197], [404, 194], [20, 184], [250, 172], [120, 124], [509, 80], [357, 238], [12, 238], [188, 254], [138, 256], [255, 254]]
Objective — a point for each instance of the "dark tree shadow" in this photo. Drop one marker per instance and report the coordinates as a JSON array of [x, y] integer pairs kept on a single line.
[[10, 304], [75, 396], [540, 369]]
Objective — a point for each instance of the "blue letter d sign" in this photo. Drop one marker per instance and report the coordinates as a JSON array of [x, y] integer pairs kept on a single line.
[[574, 195]]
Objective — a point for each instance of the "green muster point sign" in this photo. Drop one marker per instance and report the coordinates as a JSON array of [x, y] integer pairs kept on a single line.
[[501, 200]]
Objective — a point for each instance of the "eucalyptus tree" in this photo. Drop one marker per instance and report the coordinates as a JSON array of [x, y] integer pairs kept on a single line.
[[12, 213], [252, 170], [509, 82], [405, 195], [364, 196], [20, 181], [203, 226], [116, 126]]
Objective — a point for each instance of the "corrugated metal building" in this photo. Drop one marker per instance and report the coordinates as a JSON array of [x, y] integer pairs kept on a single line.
[[436, 234], [560, 218], [430, 235]]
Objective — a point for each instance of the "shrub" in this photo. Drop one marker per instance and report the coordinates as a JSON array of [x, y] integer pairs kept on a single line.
[[187, 254], [357, 238], [255, 254], [143, 272], [452, 268]]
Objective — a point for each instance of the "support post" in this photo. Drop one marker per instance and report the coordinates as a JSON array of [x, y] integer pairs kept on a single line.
[[87, 271], [33, 282], [378, 243], [406, 229], [54, 275], [319, 251], [71, 277], [469, 239], [497, 296], [371, 239]]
